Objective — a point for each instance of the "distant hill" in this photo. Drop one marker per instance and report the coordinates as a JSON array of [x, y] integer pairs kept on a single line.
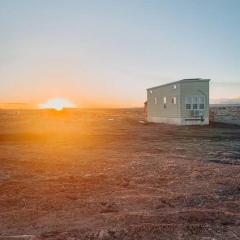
[[226, 101], [15, 105]]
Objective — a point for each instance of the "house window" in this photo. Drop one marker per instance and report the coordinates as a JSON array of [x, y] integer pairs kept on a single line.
[[150, 91], [195, 102], [174, 100], [155, 100], [165, 102], [188, 102], [201, 102], [174, 86]]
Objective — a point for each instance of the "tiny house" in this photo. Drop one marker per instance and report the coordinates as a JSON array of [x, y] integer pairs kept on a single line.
[[184, 102]]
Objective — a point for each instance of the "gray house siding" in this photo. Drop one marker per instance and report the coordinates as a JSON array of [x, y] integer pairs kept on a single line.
[[194, 88], [156, 110]]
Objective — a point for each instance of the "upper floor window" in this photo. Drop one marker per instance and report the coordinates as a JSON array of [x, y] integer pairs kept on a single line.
[[155, 100], [150, 91], [174, 100], [174, 86]]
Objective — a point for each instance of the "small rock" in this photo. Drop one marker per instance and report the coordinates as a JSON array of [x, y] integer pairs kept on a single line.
[[131, 183], [125, 184], [103, 234], [180, 149], [109, 208], [87, 175]]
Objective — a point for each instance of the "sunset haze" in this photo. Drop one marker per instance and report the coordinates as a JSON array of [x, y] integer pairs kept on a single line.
[[106, 53]]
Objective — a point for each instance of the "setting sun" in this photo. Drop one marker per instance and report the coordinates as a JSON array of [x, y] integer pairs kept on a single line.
[[57, 104]]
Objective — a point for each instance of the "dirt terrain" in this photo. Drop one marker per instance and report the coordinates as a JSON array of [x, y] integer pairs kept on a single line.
[[102, 174]]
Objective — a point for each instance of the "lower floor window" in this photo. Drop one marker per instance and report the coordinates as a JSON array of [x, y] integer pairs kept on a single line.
[[188, 102], [195, 102], [195, 106], [201, 102]]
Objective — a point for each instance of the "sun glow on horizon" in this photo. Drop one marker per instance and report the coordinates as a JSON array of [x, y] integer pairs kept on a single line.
[[57, 104]]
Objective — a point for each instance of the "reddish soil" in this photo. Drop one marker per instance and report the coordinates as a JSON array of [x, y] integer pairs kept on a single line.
[[101, 174]]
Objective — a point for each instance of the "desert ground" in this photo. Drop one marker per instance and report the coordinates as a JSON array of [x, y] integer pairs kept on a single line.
[[106, 174]]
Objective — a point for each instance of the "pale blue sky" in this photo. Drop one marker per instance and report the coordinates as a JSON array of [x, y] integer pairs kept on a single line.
[[108, 52]]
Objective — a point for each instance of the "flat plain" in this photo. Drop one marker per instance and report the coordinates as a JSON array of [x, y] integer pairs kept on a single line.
[[106, 174]]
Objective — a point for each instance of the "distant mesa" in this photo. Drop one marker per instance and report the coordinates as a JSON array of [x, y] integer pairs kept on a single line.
[[231, 101]]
